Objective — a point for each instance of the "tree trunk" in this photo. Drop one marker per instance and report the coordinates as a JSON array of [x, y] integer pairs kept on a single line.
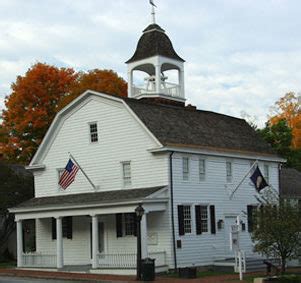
[[283, 265]]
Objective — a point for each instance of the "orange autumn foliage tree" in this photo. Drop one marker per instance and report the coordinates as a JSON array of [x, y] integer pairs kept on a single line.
[[36, 98], [105, 81], [288, 107]]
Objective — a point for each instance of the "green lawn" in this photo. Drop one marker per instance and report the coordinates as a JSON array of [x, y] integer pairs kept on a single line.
[[7, 264]]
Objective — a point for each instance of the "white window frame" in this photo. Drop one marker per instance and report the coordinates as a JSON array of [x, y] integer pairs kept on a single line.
[[129, 219], [202, 165], [126, 177], [266, 173], [59, 174], [207, 219], [93, 134], [229, 173], [187, 220], [185, 168]]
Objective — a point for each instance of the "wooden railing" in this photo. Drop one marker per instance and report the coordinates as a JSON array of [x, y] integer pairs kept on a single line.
[[122, 260], [38, 260], [170, 89]]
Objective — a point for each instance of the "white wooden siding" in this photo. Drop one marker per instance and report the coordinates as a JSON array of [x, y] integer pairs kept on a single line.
[[120, 138], [203, 249]]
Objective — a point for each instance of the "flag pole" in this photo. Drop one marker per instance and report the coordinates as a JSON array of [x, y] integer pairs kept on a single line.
[[94, 187], [237, 187]]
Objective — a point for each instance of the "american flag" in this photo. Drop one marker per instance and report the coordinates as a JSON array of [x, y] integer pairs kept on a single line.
[[68, 175]]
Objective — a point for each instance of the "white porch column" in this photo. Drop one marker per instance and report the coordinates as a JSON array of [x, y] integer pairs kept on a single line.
[[144, 250], [19, 243], [158, 79], [95, 235], [181, 82], [130, 83], [59, 243]]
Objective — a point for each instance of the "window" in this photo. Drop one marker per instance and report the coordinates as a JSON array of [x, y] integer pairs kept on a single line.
[[126, 224], [129, 224], [126, 173], [229, 171], [93, 132], [204, 218], [202, 169], [266, 173], [187, 219], [185, 161], [66, 227], [251, 213]]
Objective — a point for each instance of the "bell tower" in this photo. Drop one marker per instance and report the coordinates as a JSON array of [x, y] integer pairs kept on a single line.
[[154, 56]]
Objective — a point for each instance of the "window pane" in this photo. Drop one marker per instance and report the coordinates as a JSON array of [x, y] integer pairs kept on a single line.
[[126, 168], [229, 171], [185, 162], [202, 169], [93, 132], [129, 224], [204, 218], [187, 219]]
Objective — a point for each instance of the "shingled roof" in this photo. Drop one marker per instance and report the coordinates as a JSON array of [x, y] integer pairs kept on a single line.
[[195, 128], [154, 41], [96, 198], [290, 183]]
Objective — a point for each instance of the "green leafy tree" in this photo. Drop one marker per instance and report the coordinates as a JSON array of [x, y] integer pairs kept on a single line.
[[16, 187], [277, 231], [279, 136]]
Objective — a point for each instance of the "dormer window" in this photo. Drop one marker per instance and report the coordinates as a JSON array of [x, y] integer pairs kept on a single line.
[[93, 132]]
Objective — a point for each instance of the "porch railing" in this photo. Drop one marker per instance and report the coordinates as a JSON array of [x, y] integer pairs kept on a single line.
[[38, 260], [170, 89], [122, 260]]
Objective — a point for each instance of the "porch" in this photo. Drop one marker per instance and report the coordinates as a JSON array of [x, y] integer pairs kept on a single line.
[[100, 238]]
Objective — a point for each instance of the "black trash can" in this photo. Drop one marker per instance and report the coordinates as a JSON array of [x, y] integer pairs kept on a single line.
[[187, 272], [148, 269]]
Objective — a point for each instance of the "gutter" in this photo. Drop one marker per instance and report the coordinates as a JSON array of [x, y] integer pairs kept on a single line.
[[172, 210]]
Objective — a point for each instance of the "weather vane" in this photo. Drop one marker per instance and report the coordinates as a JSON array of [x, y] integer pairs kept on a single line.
[[153, 11]]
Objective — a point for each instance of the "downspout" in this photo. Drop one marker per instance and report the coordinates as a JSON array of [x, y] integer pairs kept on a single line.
[[172, 210]]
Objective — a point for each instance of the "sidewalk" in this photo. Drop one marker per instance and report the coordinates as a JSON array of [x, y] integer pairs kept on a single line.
[[87, 277]]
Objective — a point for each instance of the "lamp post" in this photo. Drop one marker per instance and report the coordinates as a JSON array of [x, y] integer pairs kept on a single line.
[[139, 213]]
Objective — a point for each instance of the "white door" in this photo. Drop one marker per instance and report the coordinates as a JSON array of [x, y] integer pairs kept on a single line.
[[229, 221]]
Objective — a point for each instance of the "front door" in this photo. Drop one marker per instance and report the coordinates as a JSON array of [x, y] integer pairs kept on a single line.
[[101, 239], [229, 221]]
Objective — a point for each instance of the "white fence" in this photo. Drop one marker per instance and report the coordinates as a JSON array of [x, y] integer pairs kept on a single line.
[[38, 260], [169, 89], [121, 260]]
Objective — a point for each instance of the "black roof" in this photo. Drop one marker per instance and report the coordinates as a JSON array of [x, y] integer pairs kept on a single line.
[[154, 41], [173, 125], [290, 183], [89, 198]]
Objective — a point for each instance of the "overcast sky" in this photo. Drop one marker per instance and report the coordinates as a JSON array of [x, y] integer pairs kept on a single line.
[[241, 55]]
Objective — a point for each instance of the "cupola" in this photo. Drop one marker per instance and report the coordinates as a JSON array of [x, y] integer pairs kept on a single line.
[[154, 57]]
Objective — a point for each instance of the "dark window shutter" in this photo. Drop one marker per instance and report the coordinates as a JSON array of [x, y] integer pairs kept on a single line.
[[181, 219], [53, 228], [119, 225], [198, 223], [69, 227], [212, 219], [250, 217], [135, 224]]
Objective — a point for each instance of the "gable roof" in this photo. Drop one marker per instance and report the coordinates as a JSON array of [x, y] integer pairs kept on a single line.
[[290, 183], [93, 198], [180, 126]]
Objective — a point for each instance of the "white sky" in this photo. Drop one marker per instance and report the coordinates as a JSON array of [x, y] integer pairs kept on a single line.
[[241, 55]]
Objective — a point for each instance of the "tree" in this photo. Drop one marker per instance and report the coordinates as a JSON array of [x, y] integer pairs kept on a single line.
[[31, 107], [36, 98], [288, 108], [16, 187], [106, 81], [277, 231], [279, 136]]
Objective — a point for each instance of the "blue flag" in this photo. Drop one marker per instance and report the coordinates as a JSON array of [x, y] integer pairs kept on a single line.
[[258, 180]]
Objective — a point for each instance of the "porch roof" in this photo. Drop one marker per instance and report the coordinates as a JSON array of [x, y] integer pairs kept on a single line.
[[87, 199]]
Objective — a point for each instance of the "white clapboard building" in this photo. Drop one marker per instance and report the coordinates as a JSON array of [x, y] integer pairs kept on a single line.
[[179, 163]]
